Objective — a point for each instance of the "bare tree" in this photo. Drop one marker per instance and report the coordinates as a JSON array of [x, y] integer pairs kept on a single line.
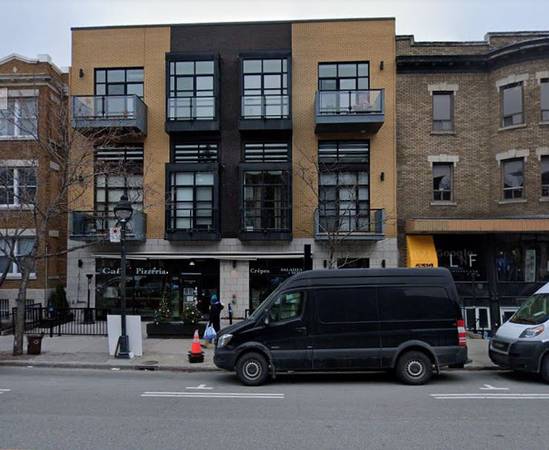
[[340, 207], [56, 173]]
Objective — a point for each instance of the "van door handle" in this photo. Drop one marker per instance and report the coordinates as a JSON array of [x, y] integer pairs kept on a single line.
[[301, 330]]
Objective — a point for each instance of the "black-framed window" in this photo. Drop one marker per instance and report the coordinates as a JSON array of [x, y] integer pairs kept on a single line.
[[443, 181], [266, 197], [192, 90], [344, 76], [544, 176], [267, 152], [191, 201], [119, 81], [195, 152], [512, 105], [18, 186], [344, 203], [265, 88], [513, 178], [119, 171], [344, 152], [544, 99], [443, 111], [287, 306]]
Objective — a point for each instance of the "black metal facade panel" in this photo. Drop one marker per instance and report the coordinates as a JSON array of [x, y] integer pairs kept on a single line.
[[230, 42]]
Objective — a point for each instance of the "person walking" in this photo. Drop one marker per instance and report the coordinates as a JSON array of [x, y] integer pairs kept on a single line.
[[215, 312]]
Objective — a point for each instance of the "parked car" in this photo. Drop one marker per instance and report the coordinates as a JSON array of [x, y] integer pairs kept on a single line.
[[522, 343], [403, 320]]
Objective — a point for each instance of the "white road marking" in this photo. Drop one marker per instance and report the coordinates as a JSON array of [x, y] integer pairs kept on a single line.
[[4, 390], [489, 387], [486, 396], [239, 395], [200, 387]]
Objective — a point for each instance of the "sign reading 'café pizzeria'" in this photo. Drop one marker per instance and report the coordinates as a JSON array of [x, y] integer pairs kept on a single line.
[[143, 271]]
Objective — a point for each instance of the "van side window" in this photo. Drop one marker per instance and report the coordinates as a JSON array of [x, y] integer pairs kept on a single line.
[[346, 305], [415, 303], [287, 306]]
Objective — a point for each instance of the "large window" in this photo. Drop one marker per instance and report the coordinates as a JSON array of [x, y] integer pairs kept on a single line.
[[18, 115], [544, 99], [191, 201], [513, 178], [265, 88], [442, 181], [191, 90], [443, 111], [343, 76], [17, 186], [119, 171], [512, 105], [20, 246], [120, 81], [545, 176], [266, 200]]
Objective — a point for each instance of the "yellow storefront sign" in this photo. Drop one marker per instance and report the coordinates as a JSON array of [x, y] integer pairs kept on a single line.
[[421, 251]]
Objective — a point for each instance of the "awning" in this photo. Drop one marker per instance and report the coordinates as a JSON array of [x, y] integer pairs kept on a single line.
[[228, 256], [421, 251]]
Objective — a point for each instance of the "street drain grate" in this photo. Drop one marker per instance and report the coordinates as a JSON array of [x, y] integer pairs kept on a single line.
[[148, 365]]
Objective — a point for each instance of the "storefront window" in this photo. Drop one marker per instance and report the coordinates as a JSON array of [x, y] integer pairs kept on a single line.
[[267, 274], [463, 256]]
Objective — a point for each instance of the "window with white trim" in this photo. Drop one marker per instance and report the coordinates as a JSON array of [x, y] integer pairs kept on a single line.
[[17, 186], [512, 110], [545, 176], [513, 178], [4, 308], [544, 99], [18, 117], [477, 318], [22, 247], [442, 182]]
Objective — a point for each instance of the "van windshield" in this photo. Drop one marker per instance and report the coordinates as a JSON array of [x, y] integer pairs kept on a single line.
[[534, 311]]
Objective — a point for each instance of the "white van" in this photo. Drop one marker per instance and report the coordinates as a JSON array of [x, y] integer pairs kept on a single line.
[[522, 343]]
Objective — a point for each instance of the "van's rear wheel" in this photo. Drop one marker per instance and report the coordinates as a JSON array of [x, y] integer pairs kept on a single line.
[[414, 368], [545, 368], [252, 369]]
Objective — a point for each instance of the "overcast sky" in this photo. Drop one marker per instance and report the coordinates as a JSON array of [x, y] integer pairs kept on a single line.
[[30, 27]]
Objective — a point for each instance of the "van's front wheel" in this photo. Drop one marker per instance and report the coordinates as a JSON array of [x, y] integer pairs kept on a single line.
[[414, 368], [252, 369]]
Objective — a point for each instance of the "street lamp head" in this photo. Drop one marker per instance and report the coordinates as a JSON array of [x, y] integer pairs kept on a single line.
[[123, 209]]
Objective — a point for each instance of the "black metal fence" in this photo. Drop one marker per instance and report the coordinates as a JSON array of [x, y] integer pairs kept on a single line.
[[59, 322]]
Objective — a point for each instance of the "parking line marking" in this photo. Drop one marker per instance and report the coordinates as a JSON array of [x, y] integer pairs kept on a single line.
[[486, 396], [200, 387], [489, 387], [238, 395]]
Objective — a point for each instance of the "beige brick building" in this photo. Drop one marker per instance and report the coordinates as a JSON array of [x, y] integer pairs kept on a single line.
[[251, 152], [473, 165]]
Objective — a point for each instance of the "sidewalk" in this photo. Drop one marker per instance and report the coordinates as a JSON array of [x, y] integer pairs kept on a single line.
[[158, 354]]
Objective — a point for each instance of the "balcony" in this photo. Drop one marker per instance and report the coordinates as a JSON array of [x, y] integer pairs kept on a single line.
[[90, 226], [125, 114], [349, 111], [192, 114], [265, 112], [349, 225], [266, 224], [191, 224]]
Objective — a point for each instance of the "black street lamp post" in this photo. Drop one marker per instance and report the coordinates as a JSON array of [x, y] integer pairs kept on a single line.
[[123, 212]]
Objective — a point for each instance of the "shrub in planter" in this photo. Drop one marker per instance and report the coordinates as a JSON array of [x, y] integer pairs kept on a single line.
[[190, 314]]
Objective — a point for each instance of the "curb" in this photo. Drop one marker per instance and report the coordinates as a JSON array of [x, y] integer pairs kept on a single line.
[[152, 368], [98, 366]]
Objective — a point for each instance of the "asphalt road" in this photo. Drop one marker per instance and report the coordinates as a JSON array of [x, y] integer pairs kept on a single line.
[[95, 409]]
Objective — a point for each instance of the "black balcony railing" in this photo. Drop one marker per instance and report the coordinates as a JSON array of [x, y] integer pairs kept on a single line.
[[369, 225], [275, 219], [117, 111], [96, 225], [191, 108], [181, 218], [265, 107]]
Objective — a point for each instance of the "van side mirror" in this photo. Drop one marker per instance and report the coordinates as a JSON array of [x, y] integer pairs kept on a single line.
[[266, 320]]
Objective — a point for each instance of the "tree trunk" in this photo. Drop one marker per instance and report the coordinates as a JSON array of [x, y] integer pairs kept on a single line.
[[19, 332]]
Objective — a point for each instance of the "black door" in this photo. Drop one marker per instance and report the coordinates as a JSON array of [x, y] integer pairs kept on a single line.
[[346, 334], [287, 333]]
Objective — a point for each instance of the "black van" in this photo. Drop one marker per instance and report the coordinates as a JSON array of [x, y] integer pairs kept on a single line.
[[407, 320]]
